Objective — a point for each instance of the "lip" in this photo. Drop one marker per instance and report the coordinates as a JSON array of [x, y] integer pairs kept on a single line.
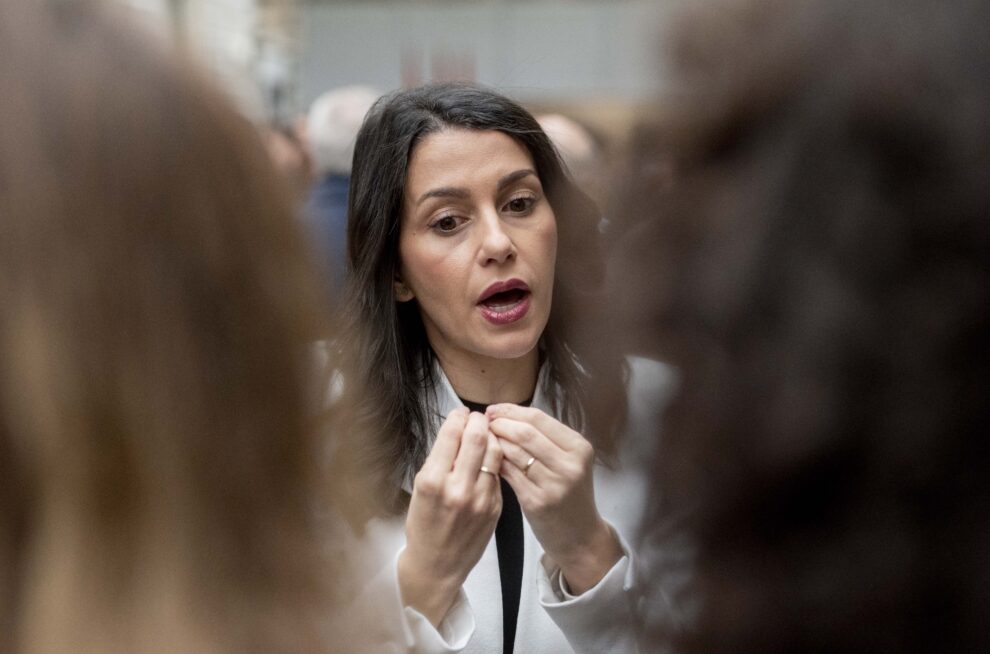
[[510, 314], [502, 287]]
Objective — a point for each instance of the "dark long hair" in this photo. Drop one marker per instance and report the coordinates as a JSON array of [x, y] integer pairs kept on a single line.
[[827, 256], [389, 364]]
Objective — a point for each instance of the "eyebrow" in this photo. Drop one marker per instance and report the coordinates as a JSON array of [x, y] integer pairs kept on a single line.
[[512, 178], [443, 192], [460, 193]]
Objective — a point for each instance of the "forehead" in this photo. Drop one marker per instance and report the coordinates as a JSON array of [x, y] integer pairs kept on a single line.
[[464, 158]]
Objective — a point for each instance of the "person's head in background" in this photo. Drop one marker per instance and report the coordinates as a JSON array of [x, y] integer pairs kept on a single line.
[[332, 126], [155, 455], [580, 150], [389, 343], [825, 273], [329, 132]]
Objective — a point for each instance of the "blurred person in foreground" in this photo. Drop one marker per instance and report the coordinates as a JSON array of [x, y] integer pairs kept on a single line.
[[156, 461], [821, 277], [290, 156], [331, 128]]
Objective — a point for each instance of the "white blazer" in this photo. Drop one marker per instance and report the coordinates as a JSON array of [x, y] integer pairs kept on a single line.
[[550, 621]]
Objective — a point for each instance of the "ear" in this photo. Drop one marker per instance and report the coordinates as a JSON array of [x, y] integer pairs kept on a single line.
[[402, 292]]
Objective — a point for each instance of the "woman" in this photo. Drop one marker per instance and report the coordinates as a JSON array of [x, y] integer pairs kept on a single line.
[[471, 253], [156, 461]]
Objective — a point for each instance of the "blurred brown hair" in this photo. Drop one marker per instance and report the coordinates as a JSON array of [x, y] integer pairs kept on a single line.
[[155, 302], [821, 276]]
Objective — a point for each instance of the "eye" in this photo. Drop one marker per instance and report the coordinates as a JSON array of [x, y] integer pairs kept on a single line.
[[521, 205], [446, 224]]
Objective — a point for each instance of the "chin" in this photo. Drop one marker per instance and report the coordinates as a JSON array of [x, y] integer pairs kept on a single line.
[[511, 346]]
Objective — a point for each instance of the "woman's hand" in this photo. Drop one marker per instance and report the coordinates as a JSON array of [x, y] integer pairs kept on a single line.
[[452, 514], [549, 466]]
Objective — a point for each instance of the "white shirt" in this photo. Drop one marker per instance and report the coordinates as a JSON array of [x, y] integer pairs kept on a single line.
[[550, 620]]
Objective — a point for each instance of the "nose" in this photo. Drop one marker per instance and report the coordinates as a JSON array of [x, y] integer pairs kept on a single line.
[[496, 245]]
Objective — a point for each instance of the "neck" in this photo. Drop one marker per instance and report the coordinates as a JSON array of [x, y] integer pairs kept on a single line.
[[489, 381]]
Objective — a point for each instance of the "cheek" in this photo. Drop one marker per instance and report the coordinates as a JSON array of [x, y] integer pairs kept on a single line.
[[415, 261], [548, 247], [431, 272]]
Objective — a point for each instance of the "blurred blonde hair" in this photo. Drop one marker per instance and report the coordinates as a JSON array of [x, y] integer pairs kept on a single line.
[[155, 458]]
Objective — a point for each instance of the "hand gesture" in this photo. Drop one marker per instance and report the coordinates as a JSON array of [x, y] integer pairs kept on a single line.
[[549, 466], [456, 502]]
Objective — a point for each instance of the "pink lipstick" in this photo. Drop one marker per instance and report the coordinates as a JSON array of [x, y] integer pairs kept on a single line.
[[505, 302]]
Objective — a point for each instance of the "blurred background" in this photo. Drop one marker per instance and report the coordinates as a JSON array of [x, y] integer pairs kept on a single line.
[[593, 60]]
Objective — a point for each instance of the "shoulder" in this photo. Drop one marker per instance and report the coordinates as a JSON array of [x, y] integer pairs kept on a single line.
[[650, 386], [649, 381], [622, 490], [327, 378]]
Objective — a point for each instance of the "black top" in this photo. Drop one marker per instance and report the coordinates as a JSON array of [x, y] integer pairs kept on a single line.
[[509, 544]]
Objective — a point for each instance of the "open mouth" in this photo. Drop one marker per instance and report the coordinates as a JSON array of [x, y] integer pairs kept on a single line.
[[505, 302]]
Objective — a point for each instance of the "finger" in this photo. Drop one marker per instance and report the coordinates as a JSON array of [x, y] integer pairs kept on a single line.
[[560, 434], [448, 441], [474, 442], [527, 437], [491, 464], [525, 488], [520, 458]]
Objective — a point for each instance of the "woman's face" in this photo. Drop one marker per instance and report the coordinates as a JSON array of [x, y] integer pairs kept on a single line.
[[478, 244]]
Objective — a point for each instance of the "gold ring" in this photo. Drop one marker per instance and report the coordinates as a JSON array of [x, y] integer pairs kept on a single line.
[[529, 463], [485, 469]]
